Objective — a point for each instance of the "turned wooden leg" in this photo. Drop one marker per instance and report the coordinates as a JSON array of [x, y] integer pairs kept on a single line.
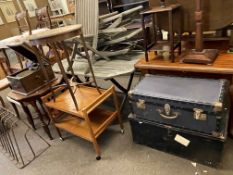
[[230, 131], [16, 110], [43, 124], [44, 111], [29, 115]]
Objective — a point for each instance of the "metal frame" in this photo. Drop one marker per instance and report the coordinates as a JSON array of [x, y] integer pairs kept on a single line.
[[124, 90], [10, 143]]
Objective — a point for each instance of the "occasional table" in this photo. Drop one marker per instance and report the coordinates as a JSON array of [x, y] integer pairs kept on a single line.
[[34, 99]]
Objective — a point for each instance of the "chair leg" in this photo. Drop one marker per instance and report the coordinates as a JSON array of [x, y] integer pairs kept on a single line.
[[2, 101]]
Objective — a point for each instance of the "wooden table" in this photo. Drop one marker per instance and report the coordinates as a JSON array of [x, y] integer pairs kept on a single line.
[[221, 68], [16, 98]]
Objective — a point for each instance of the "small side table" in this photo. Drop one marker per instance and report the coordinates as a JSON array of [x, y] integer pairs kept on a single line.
[[157, 45], [33, 99]]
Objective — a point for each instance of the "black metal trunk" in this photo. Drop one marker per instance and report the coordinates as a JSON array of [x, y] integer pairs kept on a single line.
[[189, 103], [201, 148]]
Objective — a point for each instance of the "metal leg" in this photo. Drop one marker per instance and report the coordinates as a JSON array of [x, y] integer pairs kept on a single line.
[[118, 110], [125, 91]]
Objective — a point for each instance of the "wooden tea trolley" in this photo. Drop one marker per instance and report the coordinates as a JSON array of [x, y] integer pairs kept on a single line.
[[75, 107]]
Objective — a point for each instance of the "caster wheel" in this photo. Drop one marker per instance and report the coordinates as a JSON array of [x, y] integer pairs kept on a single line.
[[61, 139], [98, 158], [122, 131]]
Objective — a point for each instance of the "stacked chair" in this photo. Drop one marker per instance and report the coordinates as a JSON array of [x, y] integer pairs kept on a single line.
[[109, 31], [107, 39]]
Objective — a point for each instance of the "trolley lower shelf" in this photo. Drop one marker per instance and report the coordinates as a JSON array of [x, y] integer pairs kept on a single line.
[[99, 120]]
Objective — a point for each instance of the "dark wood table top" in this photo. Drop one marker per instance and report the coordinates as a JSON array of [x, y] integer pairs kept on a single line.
[[222, 65]]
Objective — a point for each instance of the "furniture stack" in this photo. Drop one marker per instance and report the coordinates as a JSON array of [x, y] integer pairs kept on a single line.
[[183, 116], [75, 106]]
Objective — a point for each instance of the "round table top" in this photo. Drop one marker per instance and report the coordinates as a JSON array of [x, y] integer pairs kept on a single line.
[[54, 32], [15, 40], [19, 39]]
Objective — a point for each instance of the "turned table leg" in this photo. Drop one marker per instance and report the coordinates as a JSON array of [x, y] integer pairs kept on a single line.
[[29, 115], [43, 124], [15, 109]]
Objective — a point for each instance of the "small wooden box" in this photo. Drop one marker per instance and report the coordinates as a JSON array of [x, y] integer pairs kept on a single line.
[[28, 81]]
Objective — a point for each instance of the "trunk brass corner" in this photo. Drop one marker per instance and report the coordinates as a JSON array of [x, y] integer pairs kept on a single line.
[[141, 104], [218, 106], [198, 114]]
